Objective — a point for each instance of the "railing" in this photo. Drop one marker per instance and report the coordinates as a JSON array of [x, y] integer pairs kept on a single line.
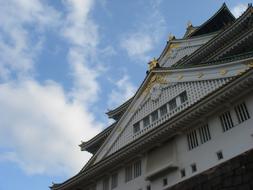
[[162, 119]]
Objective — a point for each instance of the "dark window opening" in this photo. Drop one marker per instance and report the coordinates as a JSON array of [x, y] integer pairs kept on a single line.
[[154, 116], [146, 121], [194, 168], [172, 104], [183, 97], [219, 155], [165, 181], [137, 127], [163, 110], [182, 172]]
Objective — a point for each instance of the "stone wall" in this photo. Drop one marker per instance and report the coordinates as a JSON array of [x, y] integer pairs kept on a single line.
[[235, 174]]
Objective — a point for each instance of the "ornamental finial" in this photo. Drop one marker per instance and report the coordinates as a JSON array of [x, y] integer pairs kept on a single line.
[[171, 37], [189, 24], [153, 63]]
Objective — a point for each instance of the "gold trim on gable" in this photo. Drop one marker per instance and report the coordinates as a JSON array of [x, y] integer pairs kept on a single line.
[[223, 72], [250, 64], [171, 47], [200, 75], [155, 79]]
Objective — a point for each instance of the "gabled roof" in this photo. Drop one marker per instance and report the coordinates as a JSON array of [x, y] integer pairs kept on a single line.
[[219, 41], [93, 144], [119, 111], [239, 85], [219, 20]]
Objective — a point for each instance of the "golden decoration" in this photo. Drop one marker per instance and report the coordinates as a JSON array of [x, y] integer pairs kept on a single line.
[[171, 37], [153, 64], [240, 72], [250, 64], [175, 45], [189, 24], [200, 75], [156, 79], [223, 72], [171, 47], [180, 77]]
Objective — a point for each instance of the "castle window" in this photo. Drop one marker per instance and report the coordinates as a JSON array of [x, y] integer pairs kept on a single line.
[[114, 180], [183, 97], [226, 121], [148, 187], [128, 173], [146, 121], [106, 184], [137, 169], [182, 172], [194, 168], [192, 139], [172, 104], [154, 116], [165, 181], [204, 133], [242, 112], [163, 110], [219, 155], [136, 127]]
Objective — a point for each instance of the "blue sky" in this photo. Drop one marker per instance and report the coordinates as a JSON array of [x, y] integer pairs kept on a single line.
[[64, 63]]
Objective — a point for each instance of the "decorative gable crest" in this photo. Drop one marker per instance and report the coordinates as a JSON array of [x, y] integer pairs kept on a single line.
[[155, 85]]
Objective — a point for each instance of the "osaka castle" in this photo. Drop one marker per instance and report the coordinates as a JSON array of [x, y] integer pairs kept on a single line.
[[190, 123]]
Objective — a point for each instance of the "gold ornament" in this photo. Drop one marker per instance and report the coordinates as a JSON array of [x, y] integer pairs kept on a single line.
[[155, 79], [153, 64], [223, 72], [200, 75], [180, 77]]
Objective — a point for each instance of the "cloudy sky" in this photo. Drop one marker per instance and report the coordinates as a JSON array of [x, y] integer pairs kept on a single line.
[[64, 63]]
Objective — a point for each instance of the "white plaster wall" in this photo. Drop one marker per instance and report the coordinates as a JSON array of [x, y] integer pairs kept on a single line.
[[232, 143], [135, 184]]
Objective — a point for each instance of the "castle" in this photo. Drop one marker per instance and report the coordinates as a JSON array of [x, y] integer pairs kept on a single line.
[[189, 125]]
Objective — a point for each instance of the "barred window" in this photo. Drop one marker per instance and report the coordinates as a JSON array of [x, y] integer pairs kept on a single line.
[[137, 169], [192, 139], [154, 116], [128, 173], [163, 110], [146, 121], [183, 97], [242, 112], [114, 181], [172, 104], [204, 134], [136, 127], [226, 121], [106, 184]]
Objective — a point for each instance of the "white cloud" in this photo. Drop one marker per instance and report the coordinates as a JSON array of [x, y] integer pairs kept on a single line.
[[146, 34], [138, 45], [17, 50], [82, 34], [79, 28], [239, 9], [42, 128], [123, 91], [43, 124]]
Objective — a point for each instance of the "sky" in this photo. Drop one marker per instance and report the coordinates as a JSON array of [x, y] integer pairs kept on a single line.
[[64, 64]]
